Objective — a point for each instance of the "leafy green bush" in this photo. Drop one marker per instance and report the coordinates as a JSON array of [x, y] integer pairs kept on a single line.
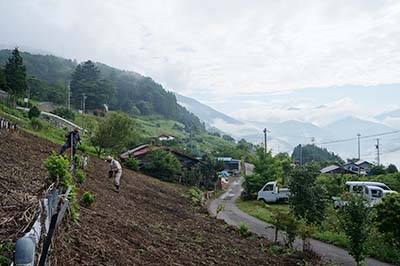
[[266, 168], [163, 165], [355, 219], [132, 164], [388, 218], [74, 206], [36, 123], [80, 176], [34, 112], [77, 161], [116, 132], [377, 170], [88, 199], [244, 230], [252, 184], [333, 185], [276, 249], [287, 223], [6, 250], [192, 176], [58, 169], [305, 232], [392, 180], [64, 113], [196, 195], [307, 197]]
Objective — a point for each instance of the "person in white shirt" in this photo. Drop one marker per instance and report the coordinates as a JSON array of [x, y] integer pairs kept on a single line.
[[115, 169]]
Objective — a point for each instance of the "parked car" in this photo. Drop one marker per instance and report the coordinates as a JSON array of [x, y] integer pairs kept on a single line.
[[272, 193], [373, 192]]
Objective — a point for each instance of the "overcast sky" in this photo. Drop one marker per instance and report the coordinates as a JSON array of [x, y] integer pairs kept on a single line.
[[251, 59]]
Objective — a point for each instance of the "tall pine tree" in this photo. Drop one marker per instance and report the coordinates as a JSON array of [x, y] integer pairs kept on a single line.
[[86, 81], [15, 75], [2, 79]]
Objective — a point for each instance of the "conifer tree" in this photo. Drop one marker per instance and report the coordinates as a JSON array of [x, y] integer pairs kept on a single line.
[[15, 75]]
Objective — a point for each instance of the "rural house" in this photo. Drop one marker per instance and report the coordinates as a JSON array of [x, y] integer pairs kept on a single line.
[[360, 167], [140, 152], [336, 170]]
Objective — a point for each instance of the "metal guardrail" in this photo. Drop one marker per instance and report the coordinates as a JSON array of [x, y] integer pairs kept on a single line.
[[53, 208], [51, 116]]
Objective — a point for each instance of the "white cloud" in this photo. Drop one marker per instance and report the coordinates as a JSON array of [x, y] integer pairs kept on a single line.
[[216, 49], [220, 46], [303, 110]]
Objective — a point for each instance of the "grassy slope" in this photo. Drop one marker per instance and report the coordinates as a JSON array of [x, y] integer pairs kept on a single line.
[[48, 132], [153, 126], [328, 232], [148, 126]]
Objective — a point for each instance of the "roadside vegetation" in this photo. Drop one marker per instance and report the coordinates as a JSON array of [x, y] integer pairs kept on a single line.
[[363, 230]]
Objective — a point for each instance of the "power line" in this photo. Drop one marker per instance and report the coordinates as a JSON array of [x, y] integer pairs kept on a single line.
[[356, 138]]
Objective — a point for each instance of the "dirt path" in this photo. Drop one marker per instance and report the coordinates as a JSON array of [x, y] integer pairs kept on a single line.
[[233, 216]]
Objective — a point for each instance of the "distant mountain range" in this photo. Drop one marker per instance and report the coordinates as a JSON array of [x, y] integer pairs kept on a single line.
[[284, 136], [207, 114], [351, 126], [391, 114]]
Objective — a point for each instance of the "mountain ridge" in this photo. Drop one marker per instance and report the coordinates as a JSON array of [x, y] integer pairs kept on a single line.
[[134, 94], [206, 113]]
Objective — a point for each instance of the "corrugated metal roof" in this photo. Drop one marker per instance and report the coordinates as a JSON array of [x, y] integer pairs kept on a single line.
[[329, 169]]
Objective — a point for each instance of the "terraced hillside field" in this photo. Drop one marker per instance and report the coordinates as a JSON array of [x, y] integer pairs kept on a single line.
[[148, 223]]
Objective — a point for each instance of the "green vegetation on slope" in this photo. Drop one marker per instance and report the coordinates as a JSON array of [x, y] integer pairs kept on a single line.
[[311, 153], [130, 92]]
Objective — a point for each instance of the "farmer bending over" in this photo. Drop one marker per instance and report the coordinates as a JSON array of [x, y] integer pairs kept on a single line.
[[115, 168], [72, 140]]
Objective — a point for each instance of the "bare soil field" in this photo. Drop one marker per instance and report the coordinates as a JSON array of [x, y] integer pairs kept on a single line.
[[148, 223], [22, 180]]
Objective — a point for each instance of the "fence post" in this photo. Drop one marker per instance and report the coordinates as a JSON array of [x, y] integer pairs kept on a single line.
[[47, 241]]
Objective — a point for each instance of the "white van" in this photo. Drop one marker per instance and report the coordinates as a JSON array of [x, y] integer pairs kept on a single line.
[[373, 192]]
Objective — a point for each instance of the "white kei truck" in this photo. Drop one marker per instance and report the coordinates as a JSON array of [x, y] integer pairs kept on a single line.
[[271, 193]]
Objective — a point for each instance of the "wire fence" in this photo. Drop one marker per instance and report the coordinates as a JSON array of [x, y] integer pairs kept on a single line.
[[7, 125], [36, 244]]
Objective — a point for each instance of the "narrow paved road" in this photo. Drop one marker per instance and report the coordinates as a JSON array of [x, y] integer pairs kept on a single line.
[[233, 216]]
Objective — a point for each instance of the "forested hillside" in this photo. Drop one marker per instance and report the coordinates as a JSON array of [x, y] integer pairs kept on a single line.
[[121, 90], [312, 153]]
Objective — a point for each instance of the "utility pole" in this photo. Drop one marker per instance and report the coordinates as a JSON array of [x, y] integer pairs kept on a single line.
[[83, 102], [265, 139], [378, 151], [359, 149], [69, 96], [301, 154]]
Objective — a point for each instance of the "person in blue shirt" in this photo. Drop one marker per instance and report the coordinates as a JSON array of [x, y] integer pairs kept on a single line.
[[73, 138]]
